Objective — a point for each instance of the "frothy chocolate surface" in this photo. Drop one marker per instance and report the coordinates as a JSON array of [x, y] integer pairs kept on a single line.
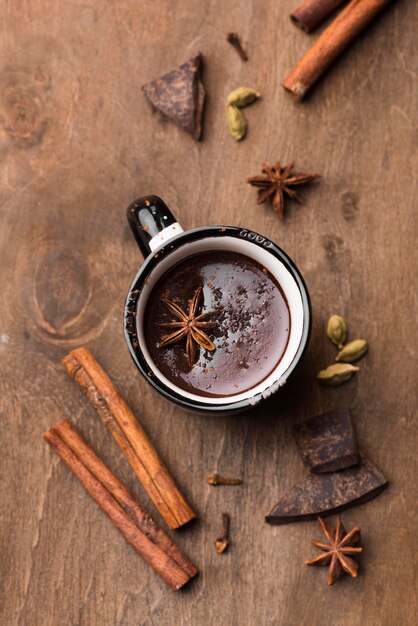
[[253, 323]]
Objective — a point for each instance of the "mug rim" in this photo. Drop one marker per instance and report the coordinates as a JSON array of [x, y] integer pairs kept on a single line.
[[130, 327]]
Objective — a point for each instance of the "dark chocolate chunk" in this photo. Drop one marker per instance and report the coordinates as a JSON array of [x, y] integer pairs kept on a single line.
[[180, 95], [326, 494], [326, 442]]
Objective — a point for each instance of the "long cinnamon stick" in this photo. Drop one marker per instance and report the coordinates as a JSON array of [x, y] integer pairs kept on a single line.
[[130, 437], [339, 34], [161, 562], [311, 13], [117, 489]]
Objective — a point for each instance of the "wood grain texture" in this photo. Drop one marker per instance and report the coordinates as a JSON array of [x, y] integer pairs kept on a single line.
[[78, 142]]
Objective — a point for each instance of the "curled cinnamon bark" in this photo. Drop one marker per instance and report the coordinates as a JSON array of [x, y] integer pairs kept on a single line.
[[130, 436], [136, 512], [115, 500], [339, 34], [312, 13]]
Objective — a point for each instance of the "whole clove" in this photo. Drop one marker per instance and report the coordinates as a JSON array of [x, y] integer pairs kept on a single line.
[[215, 479], [235, 41], [222, 542]]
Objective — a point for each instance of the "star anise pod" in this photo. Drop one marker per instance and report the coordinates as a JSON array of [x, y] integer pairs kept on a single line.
[[188, 325], [336, 552], [275, 182]]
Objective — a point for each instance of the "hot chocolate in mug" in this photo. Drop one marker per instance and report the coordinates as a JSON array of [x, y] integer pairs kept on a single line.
[[248, 293]]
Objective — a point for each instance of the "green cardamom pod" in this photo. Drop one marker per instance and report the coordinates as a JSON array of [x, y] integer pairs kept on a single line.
[[337, 374], [353, 351], [242, 97], [237, 124], [337, 330]]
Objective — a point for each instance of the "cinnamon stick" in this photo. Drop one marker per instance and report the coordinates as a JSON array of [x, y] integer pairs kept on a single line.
[[311, 13], [140, 516], [130, 437], [174, 575], [339, 34]]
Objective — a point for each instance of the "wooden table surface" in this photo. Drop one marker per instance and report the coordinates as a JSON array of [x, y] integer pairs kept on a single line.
[[79, 142]]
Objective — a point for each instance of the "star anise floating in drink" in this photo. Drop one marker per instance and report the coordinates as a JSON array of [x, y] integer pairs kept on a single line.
[[338, 552], [189, 326], [275, 182]]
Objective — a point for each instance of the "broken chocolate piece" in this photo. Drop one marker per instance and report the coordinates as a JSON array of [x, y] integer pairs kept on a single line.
[[326, 494], [326, 442], [180, 95]]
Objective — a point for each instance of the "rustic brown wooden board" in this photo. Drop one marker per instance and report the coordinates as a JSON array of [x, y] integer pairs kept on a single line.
[[78, 142]]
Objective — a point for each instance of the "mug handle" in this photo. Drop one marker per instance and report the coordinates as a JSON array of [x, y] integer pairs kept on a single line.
[[152, 223]]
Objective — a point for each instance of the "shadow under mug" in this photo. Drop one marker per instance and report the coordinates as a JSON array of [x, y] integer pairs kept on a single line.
[[164, 244]]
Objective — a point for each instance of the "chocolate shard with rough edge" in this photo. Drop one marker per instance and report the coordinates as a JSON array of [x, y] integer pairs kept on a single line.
[[180, 95], [326, 442], [326, 494]]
